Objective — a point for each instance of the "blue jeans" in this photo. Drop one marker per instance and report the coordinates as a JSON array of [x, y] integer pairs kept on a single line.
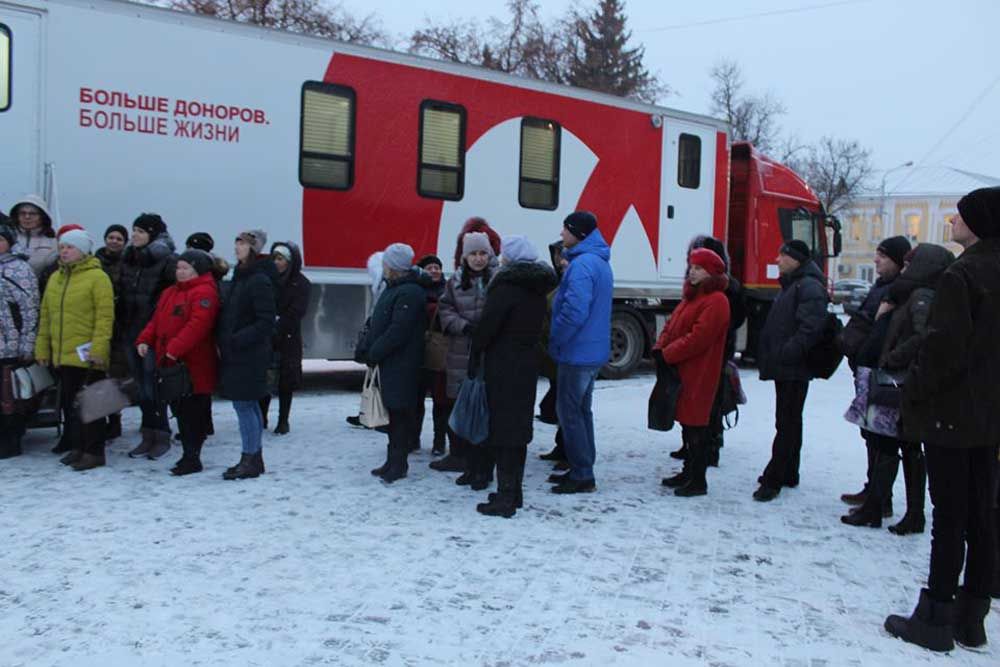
[[575, 387], [251, 424], [143, 370]]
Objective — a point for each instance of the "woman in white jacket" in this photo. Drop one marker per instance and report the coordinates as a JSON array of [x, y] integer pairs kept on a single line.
[[35, 232]]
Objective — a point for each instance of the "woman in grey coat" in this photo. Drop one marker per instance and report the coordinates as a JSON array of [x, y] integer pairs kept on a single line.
[[460, 309]]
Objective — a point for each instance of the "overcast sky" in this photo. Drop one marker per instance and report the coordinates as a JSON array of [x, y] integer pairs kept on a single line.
[[911, 79]]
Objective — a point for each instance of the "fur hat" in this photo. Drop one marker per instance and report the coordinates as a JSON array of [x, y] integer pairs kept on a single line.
[[398, 257], [200, 261], [580, 224], [895, 248], [713, 244], [707, 260], [797, 250], [980, 210], [78, 238], [151, 223], [256, 238], [476, 241]]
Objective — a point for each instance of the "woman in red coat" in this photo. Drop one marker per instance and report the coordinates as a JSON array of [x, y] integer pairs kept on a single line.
[[181, 331], [694, 341]]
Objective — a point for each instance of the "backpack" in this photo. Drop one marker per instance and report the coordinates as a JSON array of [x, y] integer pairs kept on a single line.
[[823, 359]]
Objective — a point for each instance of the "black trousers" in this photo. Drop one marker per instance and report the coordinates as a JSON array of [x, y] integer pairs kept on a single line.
[[786, 451], [86, 437], [194, 415], [402, 430], [962, 484], [441, 410], [698, 440], [510, 469]]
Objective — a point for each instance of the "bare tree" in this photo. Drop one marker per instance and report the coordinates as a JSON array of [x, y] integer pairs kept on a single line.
[[837, 170], [753, 118], [312, 17]]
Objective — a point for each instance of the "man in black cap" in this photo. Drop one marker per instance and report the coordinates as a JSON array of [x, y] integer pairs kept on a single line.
[[794, 325], [951, 402], [889, 260]]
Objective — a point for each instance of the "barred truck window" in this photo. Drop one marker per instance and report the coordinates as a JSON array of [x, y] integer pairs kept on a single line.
[[442, 150], [689, 161], [539, 175], [326, 151], [4, 67]]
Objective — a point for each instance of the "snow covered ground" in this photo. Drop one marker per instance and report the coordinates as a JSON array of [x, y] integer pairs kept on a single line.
[[319, 563]]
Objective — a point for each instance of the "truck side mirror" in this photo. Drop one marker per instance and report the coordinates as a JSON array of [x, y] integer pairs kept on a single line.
[[833, 223]]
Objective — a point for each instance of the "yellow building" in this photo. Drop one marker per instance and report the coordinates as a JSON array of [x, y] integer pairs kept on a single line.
[[918, 203]]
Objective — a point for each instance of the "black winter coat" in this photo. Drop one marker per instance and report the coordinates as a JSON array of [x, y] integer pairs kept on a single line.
[[737, 315], [293, 301], [794, 325], [952, 394], [112, 265], [245, 330], [855, 336], [395, 340], [145, 273], [508, 332]]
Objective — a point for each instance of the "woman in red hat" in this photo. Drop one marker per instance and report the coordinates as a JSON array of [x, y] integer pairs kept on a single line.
[[694, 341]]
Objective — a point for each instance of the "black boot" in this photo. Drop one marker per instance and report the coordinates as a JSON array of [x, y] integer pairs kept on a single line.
[[472, 464], [862, 495], [398, 467], [114, 429], [10, 445], [681, 453], [379, 471], [884, 469], [681, 478], [915, 477], [190, 462], [439, 414], [265, 406], [284, 412], [970, 612], [507, 498], [249, 467], [929, 626], [558, 452], [485, 462], [697, 465]]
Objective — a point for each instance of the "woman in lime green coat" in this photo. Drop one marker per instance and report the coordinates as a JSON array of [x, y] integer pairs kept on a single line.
[[74, 337]]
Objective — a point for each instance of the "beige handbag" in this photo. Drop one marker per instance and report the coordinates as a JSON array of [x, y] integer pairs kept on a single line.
[[373, 413], [31, 381], [435, 347]]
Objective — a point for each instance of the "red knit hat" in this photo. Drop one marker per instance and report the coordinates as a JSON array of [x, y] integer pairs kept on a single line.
[[68, 228], [707, 260]]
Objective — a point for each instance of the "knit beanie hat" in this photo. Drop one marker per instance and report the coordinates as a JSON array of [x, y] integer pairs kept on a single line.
[[580, 224], [895, 248], [476, 241], [117, 228], [283, 250], [398, 257], [707, 260], [150, 223], [518, 249], [67, 228], [79, 239], [200, 241], [797, 250], [8, 232], [257, 238], [427, 260], [199, 260], [980, 210]]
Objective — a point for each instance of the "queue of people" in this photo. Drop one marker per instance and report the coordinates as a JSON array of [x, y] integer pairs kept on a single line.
[[920, 348]]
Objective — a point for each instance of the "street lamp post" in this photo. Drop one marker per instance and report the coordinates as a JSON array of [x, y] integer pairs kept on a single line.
[[881, 206]]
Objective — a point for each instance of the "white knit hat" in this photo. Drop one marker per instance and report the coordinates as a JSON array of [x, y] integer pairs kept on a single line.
[[79, 239], [518, 249]]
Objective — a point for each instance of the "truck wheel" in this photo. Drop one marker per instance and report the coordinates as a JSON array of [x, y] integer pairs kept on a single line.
[[628, 343]]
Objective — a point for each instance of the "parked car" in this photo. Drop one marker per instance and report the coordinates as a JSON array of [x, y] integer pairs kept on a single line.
[[850, 293]]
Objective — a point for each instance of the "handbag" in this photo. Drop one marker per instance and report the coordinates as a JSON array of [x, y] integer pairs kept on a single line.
[[435, 346], [886, 387], [105, 397], [372, 413], [173, 382], [879, 419], [470, 418], [30, 381], [663, 399]]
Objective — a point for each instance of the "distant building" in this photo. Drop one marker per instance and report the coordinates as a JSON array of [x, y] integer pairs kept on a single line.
[[918, 204]]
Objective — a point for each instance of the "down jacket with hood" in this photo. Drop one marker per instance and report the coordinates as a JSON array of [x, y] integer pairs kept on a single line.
[[183, 327], [580, 334], [145, 273], [246, 329], [458, 308], [40, 244], [18, 305], [78, 308], [293, 301], [794, 325]]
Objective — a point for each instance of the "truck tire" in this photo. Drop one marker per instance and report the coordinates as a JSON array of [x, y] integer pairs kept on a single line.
[[628, 345]]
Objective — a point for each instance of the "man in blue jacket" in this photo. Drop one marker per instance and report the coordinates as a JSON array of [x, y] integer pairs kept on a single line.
[[580, 343]]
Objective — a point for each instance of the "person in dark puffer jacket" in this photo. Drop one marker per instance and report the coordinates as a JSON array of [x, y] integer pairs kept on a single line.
[[950, 400], [149, 266], [110, 256], [794, 326], [434, 381]]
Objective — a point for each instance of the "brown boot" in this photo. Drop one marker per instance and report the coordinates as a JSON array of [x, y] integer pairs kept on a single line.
[[148, 439], [161, 445], [89, 462], [72, 457]]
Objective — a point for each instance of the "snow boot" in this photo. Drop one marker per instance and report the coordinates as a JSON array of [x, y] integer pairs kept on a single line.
[[190, 462], [72, 457], [765, 494], [680, 479], [148, 440], [88, 462], [160, 446], [915, 477], [681, 453], [449, 463], [247, 468], [696, 464], [114, 428], [558, 452], [284, 412], [379, 471], [929, 626], [968, 627], [884, 468], [398, 466]]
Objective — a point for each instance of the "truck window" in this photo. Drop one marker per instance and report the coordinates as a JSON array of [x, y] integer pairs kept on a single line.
[[326, 146], [799, 224], [4, 67], [539, 171], [689, 161], [442, 150]]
